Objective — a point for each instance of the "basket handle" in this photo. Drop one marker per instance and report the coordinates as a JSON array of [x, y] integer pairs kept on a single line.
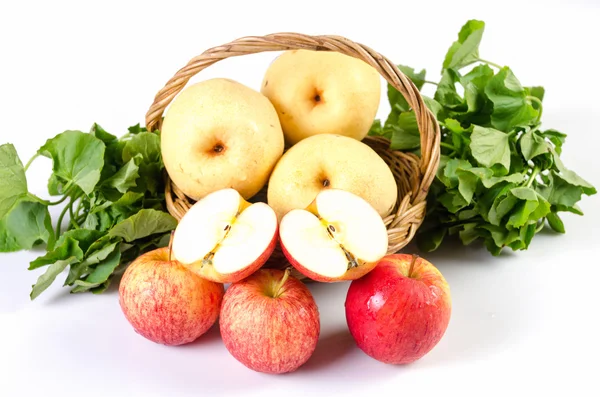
[[428, 126]]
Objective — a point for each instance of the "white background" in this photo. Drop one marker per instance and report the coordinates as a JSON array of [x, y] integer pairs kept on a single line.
[[523, 322]]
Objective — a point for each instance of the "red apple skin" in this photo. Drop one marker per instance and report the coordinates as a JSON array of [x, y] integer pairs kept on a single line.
[[270, 334], [166, 303], [351, 274], [398, 319], [209, 272]]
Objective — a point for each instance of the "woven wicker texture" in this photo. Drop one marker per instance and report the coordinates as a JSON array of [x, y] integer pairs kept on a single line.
[[413, 174]]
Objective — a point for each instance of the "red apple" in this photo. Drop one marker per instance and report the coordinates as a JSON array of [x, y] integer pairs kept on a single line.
[[270, 322], [400, 310], [165, 302], [223, 238]]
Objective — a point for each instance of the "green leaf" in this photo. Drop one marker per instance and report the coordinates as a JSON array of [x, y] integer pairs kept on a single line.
[[85, 238], [65, 248], [405, 133], [143, 224], [465, 50], [455, 126], [572, 209], [562, 192], [27, 225], [97, 252], [501, 207], [46, 279], [533, 145], [150, 179], [555, 222], [474, 84], [490, 181], [469, 233], [377, 129], [56, 186], [397, 102], [100, 273], [104, 269], [511, 108], [453, 201], [147, 144], [417, 78], [556, 137], [434, 106], [537, 92], [13, 184], [430, 241], [8, 242], [467, 182], [77, 158], [467, 214], [450, 171], [446, 94], [490, 146], [572, 178], [101, 134], [136, 129], [531, 208], [125, 178], [100, 253], [500, 235], [527, 234]]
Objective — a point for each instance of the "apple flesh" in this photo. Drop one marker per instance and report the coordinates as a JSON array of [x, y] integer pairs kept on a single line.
[[166, 303], [270, 322], [400, 310], [224, 238], [338, 237]]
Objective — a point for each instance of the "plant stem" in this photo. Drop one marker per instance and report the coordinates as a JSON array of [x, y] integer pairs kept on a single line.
[[412, 264], [171, 244], [78, 209], [68, 207], [68, 189], [73, 220], [35, 156], [540, 106], [535, 172], [540, 226], [490, 63], [448, 146], [277, 290], [66, 196], [430, 82], [59, 222]]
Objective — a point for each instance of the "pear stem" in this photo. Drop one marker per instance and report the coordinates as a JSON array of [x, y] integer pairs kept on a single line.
[[282, 282], [171, 245], [412, 264]]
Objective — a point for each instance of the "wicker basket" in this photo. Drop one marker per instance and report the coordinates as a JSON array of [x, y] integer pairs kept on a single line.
[[413, 174]]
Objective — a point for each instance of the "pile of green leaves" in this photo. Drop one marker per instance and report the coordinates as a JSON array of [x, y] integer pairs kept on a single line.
[[112, 191], [500, 177]]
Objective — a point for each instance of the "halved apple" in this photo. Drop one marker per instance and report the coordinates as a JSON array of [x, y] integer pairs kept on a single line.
[[339, 236], [224, 238]]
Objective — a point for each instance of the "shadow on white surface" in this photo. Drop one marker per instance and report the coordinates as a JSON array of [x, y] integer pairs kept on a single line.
[[330, 349]]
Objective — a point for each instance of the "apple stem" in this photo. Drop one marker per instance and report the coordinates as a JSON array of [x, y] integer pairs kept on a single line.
[[412, 264], [277, 291], [171, 244]]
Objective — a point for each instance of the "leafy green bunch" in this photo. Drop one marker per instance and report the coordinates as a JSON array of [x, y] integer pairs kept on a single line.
[[112, 191], [500, 177]]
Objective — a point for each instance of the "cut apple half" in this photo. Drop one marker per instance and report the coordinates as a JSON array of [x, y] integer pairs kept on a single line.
[[224, 238], [339, 236]]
